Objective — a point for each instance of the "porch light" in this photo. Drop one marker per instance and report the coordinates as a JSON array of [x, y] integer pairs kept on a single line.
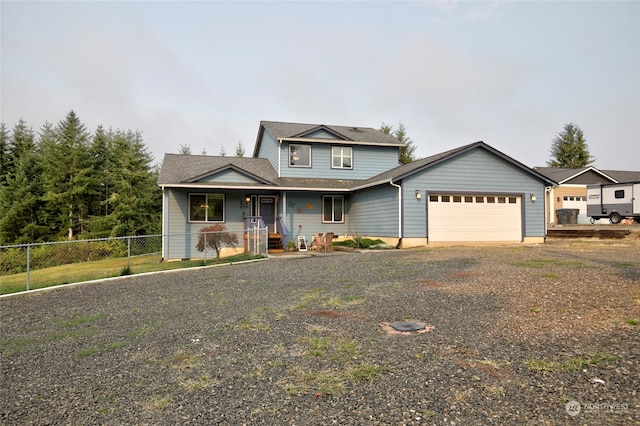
[[532, 197], [418, 194], [247, 199]]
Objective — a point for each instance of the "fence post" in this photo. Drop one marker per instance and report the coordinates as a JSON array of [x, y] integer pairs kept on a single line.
[[205, 248], [28, 266], [129, 254]]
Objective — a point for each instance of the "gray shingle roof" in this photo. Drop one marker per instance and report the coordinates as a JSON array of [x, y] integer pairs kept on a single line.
[[281, 130], [407, 169], [182, 169], [623, 176], [560, 174], [179, 168]]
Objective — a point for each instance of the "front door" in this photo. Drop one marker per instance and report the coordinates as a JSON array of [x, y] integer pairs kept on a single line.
[[268, 212]]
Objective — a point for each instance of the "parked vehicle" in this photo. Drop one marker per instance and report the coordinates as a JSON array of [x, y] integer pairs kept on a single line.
[[614, 201]]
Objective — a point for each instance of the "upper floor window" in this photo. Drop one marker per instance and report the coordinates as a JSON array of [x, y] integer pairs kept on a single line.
[[341, 157], [299, 155], [206, 207], [332, 209]]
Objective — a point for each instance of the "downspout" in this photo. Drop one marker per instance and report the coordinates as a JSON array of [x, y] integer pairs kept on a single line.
[[164, 228], [279, 158], [399, 211]]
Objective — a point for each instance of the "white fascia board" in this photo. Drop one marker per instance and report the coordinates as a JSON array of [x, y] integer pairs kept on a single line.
[[590, 168], [256, 188], [339, 142], [369, 185]]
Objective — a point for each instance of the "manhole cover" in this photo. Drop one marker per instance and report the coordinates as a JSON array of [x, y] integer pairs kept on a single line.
[[406, 326]]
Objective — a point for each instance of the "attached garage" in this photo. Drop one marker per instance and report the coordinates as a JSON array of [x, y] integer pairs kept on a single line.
[[474, 217]]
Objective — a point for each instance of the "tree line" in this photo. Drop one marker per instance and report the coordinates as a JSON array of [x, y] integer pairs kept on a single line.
[[65, 183]]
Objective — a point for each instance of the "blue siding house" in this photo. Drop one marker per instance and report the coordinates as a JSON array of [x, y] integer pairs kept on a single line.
[[307, 178]]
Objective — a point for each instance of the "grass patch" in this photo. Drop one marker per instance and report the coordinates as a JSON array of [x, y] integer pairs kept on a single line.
[[320, 298], [542, 262], [140, 331], [253, 324], [99, 269], [332, 364], [78, 320], [597, 360], [160, 403], [631, 321], [95, 350]]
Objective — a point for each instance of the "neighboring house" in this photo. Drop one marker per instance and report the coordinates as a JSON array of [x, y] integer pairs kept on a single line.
[[571, 192], [306, 178]]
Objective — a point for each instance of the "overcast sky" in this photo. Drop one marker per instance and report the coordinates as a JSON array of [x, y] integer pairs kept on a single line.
[[205, 73]]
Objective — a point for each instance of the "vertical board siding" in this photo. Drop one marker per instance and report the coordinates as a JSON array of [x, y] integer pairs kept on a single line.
[[367, 161], [374, 211], [474, 171]]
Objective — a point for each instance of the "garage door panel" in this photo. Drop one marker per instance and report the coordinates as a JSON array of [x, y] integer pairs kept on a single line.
[[475, 221]]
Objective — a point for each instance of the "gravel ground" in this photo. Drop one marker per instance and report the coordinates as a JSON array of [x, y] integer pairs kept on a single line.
[[519, 333]]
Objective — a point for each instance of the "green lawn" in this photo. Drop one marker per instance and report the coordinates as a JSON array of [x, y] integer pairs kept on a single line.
[[98, 269]]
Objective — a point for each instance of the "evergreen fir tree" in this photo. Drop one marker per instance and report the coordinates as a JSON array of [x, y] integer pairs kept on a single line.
[[569, 149], [66, 175], [407, 152]]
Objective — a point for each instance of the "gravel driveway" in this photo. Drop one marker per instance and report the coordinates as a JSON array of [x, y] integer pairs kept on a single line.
[[521, 335]]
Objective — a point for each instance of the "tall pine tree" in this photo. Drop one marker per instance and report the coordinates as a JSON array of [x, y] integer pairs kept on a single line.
[[569, 149], [67, 174], [21, 220], [407, 152]]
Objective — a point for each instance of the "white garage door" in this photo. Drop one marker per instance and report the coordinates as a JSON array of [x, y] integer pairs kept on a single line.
[[474, 218]]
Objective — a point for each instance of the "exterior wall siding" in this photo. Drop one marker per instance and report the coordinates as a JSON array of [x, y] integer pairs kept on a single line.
[[561, 191], [181, 244], [474, 171], [269, 149], [374, 211], [368, 161], [229, 176], [302, 215]]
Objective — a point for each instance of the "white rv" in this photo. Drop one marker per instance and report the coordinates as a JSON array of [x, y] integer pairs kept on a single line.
[[614, 201]]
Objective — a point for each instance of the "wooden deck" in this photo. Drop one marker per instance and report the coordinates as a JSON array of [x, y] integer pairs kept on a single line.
[[592, 231]]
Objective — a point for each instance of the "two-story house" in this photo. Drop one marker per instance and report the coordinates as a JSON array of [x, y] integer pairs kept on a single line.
[[309, 178]]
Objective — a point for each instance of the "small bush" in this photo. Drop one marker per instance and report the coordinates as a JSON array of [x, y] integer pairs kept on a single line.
[[361, 242]]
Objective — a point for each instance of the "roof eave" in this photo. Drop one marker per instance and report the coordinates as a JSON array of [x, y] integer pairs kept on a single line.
[[342, 142]]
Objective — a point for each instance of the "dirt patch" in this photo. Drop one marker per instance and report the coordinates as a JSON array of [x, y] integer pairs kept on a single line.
[[427, 285]]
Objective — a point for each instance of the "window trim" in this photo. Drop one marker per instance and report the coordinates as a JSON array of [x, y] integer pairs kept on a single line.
[[291, 145], [333, 197], [207, 195], [342, 157]]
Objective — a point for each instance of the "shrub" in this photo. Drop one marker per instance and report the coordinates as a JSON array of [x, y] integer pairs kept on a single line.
[[216, 237]]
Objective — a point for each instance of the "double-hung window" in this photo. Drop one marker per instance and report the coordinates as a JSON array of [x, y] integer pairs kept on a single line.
[[341, 157], [332, 209], [206, 208], [299, 155]]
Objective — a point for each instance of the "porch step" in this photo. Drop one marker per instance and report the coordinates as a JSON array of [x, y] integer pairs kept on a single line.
[[275, 242]]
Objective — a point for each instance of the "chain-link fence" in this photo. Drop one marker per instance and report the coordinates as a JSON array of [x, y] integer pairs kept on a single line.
[[31, 266]]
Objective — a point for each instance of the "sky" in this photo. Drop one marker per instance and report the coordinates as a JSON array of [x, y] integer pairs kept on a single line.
[[205, 73]]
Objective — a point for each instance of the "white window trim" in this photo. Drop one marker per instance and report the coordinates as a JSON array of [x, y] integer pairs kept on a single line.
[[333, 197], [342, 157], [207, 195], [299, 165]]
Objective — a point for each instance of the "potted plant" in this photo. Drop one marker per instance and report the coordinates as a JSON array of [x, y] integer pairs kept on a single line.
[[291, 246]]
